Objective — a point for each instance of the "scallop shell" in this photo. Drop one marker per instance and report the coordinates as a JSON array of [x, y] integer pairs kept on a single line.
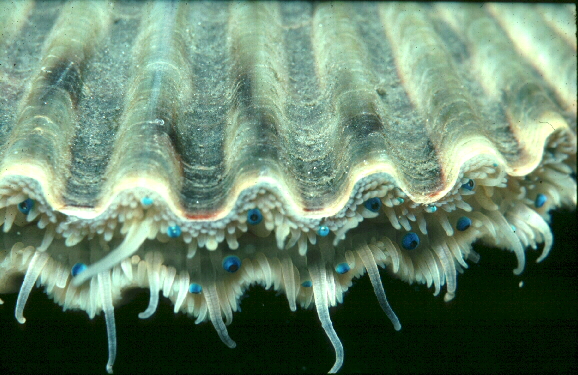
[[198, 149]]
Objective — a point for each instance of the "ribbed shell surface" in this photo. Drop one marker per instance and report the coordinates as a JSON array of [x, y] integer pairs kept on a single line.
[[208, 99]]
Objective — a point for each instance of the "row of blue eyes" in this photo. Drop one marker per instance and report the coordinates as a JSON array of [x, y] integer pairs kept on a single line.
[[410, 241], [255, 216], [231, 264]]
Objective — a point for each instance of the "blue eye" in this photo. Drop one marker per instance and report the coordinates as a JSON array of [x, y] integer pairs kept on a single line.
[[400, 200], [147, 201], [540, 200], [373, 204], [26, 206], [306, 284], [195, 288], [174, 232], [342, 268], [410, 241], [323, 231], [463, 223], [254, 216], [77, 268], [470, 185], [231, 263], [431, 209]]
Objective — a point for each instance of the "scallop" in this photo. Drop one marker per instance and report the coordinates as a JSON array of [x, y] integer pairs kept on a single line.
[[199, 149]]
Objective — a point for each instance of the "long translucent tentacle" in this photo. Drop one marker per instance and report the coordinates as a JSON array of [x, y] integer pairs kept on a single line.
[[373, 272], [105, 287], [319, 281]]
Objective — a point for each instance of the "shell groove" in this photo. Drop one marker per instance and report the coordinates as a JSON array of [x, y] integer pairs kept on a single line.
[[177, 146]]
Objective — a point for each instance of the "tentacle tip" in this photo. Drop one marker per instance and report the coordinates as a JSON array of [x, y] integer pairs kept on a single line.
[[449, 296], [109, 369], [21, 319], [542, 257], [397, 326], [337, 366]]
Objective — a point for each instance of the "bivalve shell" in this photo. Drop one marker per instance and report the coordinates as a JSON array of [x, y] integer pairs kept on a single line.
[[198, 149]]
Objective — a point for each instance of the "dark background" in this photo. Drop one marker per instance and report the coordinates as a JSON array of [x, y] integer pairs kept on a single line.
[[492, 326]]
